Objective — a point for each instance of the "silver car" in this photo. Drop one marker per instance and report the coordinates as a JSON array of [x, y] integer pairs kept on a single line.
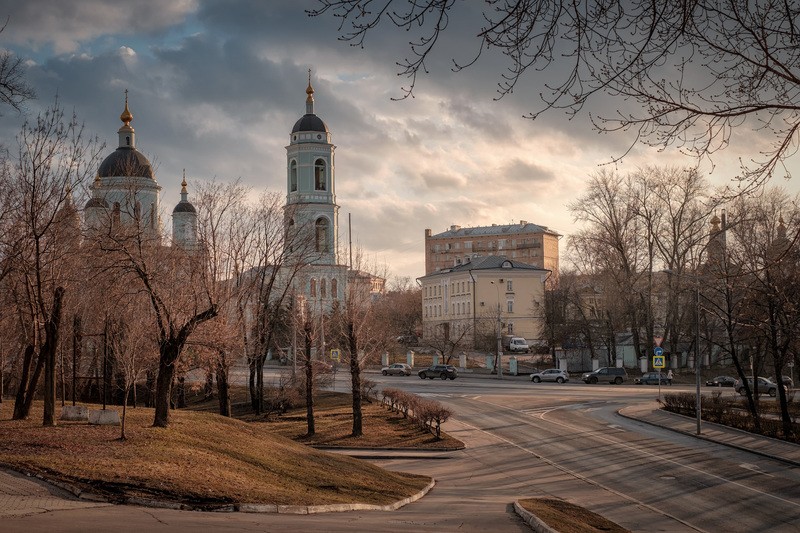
[[551, 374], [397, 369]]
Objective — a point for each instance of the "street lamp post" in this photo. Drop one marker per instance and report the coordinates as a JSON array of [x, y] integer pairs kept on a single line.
[[698, 397], [499, 334], [698, 402]]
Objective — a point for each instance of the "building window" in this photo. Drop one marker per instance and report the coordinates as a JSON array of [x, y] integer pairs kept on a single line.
[[115, 213], [509, 286], [137, 211], [334, 288], [319, 175], [510, 328], [510, 304], [293, 176], [313, 291], [323, 291], [321, 236]]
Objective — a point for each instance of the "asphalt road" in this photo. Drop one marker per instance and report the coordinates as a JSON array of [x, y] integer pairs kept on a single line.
[[523, 440]]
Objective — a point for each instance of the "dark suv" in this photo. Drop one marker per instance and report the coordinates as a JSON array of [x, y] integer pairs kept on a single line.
[[439, 371], [608, 374]]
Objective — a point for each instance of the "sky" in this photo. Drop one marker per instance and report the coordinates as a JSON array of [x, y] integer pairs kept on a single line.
[[216, 86]]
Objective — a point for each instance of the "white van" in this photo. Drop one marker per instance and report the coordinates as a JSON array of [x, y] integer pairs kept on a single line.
[[518, 345]]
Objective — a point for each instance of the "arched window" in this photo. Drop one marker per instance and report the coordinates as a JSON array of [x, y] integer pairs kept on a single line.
[[319, 175], [137, 211], [334, 289], [115, 213], [293, 176], [321, 236], [153, 215], [313, 288], [127, 140], [323, 292]]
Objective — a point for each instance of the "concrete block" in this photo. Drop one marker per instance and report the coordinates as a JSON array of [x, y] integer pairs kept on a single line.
[[79, 413], [104, 417]]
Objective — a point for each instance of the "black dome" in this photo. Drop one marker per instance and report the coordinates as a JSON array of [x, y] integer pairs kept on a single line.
[[96, 202], [125, 162], [310, 122], [184, 207]]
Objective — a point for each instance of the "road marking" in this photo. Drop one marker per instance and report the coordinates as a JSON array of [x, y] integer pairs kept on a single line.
[[754, 468]]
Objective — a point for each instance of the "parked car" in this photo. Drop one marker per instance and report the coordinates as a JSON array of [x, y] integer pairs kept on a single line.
[[762, 385], [551, 374], [439, 371], [721, 381], [787, 382], [407, 340], [653, 378], [397, 369], [608, 374]]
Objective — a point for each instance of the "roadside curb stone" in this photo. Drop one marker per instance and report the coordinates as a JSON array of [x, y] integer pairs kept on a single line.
[[532, 520]]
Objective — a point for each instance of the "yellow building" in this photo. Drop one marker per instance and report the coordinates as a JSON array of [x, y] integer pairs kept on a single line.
[[531, 243], [463, 304]]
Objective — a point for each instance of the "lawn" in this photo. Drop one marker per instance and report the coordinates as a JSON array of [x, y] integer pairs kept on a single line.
[[202, 459]]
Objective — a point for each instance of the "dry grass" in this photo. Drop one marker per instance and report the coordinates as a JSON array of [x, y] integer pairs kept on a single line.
[[334, 423], [202, 459], [565, 517]]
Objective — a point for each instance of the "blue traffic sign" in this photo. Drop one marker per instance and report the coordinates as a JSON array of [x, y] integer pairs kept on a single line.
[[658, 350]]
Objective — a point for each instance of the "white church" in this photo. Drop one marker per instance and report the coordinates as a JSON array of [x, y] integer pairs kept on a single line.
[[125, 191]]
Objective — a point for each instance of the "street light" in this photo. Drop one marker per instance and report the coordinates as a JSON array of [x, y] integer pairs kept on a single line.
[[499, 331], [698, 401]]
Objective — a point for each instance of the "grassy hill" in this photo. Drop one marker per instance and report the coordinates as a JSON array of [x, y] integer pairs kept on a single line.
[[202, 459]]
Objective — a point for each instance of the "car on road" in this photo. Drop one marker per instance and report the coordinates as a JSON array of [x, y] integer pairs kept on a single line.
[[606, 374], [762, 385], [721, 381], [397, 369], [653, 378], [551, 374], [439, 371], [787, 382]]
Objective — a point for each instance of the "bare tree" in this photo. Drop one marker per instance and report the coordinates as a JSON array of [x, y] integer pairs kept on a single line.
[[14, 89], [691, 72], [52, 157]]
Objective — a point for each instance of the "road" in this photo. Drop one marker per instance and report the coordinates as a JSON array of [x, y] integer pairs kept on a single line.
[[527, 439]]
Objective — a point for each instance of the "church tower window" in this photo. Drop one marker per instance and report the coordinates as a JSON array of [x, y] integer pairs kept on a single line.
[[321, 236], [293, 176], [319, 175], [334, 289], [323, 292], [313, 291], [115, 213], [137, 211]]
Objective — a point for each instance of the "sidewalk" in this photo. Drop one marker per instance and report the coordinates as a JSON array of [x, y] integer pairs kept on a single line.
[[779, 450]]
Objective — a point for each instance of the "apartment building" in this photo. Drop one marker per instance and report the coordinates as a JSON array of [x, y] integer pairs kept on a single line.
[[467, 300], [530, 243]]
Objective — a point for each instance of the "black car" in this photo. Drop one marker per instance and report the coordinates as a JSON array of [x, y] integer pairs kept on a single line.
[[721, 381], [653, 378], [439, 371]]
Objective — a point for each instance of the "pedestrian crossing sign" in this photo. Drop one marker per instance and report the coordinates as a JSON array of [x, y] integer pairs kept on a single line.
[[658, 361], [335, 355]]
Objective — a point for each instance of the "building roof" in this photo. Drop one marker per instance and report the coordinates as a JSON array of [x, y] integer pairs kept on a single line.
[[184, 207], [491, 262], [310, 122], [125, 161], [495, 229]]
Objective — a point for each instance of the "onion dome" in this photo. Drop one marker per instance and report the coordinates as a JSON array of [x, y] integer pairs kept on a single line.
[[126, 160], [310, 121], [184, 206]]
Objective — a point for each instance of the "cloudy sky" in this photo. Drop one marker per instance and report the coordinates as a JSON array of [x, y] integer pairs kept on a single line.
[[216, 86]]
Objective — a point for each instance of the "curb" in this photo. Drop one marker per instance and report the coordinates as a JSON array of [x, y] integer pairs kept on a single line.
[[232, 508], [532, 520], [709, 439]]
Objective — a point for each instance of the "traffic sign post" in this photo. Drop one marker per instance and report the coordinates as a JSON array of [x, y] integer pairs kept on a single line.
[[658, 362]]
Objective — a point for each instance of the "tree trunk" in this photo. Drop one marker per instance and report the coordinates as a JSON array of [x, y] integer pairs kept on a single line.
[[51, 330], [19, 405], [223, 390], [166, 373], [355, 376], [251, 365], [309, 382]]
